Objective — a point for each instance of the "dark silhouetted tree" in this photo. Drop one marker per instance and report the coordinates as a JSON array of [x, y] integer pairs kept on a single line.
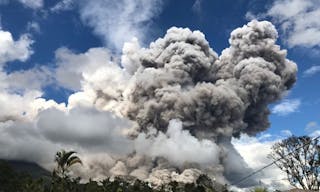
[[299, 157]]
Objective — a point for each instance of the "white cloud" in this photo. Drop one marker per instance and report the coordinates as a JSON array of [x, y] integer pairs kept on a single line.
[[314, 134], [33, 4], [72, 66], [119, 21], [197, 6], [32, 79], [298, 20], [63, 5], [98, 80], [313, 129], [11, 50], [33, 26], [312, 125], [286, 107], [286, 133], [312, 71]]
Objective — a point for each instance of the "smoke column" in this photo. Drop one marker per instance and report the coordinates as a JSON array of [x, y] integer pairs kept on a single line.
[[215, 97]]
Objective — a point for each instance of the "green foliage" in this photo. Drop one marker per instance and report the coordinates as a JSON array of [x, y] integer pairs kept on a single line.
[[60, 181], [64, 160], [11, 181]]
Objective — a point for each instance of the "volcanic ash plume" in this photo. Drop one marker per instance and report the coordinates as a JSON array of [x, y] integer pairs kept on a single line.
[[180, 77]]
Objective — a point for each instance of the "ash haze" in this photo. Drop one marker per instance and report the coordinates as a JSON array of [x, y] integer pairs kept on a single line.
[[141, 89]]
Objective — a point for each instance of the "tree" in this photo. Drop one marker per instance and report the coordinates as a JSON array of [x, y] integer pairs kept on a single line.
[[299, 157], [64, 161]]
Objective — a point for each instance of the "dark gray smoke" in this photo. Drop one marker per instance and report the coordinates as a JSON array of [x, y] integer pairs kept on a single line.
[[181, 77]]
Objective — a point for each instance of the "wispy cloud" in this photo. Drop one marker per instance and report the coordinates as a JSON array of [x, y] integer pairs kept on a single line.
[[312, 125], [286, 107], [33, 4], [286, 133], [311, 71], [120, 21], [63, 5], [197, 6]]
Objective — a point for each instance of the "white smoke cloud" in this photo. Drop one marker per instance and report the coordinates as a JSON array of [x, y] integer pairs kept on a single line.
[[11, 50], [119, 21], [178, 146], [87, 128], [84, 130]]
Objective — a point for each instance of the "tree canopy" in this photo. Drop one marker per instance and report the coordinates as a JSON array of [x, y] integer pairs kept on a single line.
[[299, 157]]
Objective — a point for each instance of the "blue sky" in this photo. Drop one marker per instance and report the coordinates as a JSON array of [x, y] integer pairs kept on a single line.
[[57, 56], [216, 19]]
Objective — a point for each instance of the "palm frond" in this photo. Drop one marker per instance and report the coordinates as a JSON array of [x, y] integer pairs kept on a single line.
[[73, 160]]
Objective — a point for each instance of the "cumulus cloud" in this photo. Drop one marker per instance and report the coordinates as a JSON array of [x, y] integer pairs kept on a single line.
[[71, 66], [11, 50], [119, 21], [286, 107], [21, 90], [312, 71], [33, 4], [94, 76], [298, 22], [32, 79]]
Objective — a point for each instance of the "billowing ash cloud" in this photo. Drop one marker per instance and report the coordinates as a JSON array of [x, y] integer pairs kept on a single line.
[[214, 98], [181, 77], [177, 104]]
